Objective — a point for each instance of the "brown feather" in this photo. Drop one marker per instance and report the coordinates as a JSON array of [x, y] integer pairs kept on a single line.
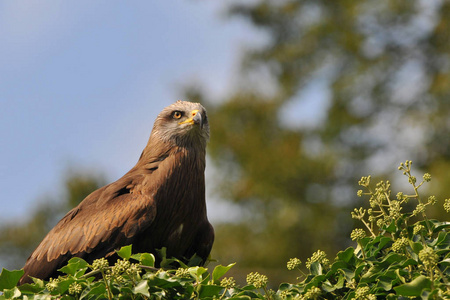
[[159, 203]]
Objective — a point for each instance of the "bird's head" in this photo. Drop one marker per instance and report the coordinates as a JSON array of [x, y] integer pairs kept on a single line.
[[183, 123]]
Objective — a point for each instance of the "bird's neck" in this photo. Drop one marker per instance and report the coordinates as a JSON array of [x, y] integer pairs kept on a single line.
[[157, 150]]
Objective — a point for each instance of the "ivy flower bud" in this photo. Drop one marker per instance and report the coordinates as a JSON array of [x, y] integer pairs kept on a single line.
[[428, 257], [257, 280], [432, 200], [293, 263], [120, 266], [362, 293], [319, 256], [52, 284], [447, 205], [228, 282], [399, 244], [313, 293], [419, 209], [357, 234], [100, 263], [418, 228], [427, 177], [75, 288], [182, 273]]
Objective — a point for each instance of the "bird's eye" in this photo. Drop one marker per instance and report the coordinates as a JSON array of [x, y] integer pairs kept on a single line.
[[177, 114]]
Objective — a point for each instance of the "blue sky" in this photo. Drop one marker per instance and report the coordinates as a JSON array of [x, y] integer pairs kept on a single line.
[[81, 83]]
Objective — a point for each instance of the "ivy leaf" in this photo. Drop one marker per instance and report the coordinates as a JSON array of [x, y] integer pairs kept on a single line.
[[197, 272], [13, 293], [209, 291], [74, 265], [219, 271], [9, 279], [146, 259], [142, 288], [124, 252], [415, 287], [316, 268]]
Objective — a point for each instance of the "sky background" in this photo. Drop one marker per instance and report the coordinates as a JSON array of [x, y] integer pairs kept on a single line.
[[81, 83]]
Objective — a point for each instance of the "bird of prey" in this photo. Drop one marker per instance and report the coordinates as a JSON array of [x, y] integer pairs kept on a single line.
[[159, 203]]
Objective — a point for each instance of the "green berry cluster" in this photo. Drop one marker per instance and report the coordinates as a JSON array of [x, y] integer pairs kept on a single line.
[[428, 257], [313, 293], [399, 244], [293, 263], [447, 205], [228, 282], [257, 280], [357, 234], [363, 293], [182, 273], [418, 228], [120, 266], [319, 256], [52, 284], [99, 264], [75, 288]]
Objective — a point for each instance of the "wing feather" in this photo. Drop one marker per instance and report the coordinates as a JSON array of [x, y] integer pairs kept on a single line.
[[112, 213]]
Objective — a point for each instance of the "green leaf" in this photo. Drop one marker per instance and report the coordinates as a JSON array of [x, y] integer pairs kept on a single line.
[[316, 268], [34, 288], [124, 252], [346, 255], [416, 247], [74, 265], [96, 291], [219, 271], [12, 293], [385, 283], [63, 285], [197, 272], [415, 287], [391, 228], [441, 225], [392, 258], [209, 291], [445, 262], [142, 288], [9, 279], [146, 259]]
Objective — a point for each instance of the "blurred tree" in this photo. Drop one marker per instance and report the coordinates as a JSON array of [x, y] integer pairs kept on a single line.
[[380, 71], [19, 239]]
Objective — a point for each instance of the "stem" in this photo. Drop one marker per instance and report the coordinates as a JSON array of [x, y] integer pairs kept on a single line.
[[368, 227], [110, 296], [303, 273], [267, 294], [224, 293], [362, 250]]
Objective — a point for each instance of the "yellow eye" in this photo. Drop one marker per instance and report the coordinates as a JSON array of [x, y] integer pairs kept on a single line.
[[177, 114]]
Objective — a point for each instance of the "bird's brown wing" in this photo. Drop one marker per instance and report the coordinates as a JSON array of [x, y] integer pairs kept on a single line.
[[107, 219]]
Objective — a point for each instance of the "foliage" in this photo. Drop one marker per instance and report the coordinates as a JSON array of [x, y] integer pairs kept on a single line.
[[399, 255], [404, 254]]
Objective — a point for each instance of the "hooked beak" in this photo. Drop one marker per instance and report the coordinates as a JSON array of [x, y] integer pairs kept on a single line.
[[196, 118]]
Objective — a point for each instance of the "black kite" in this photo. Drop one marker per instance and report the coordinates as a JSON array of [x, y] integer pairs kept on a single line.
[[159, 203]]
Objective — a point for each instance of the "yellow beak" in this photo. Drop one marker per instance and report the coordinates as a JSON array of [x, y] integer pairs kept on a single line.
[[195, 118]]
